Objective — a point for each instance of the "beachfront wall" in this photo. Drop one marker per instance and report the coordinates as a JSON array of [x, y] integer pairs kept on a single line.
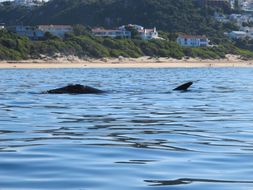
[[193, 41]]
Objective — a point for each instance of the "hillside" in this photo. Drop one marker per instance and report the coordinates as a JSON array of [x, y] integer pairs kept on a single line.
[[12, 15], [82, 44], [169, 16], [166, 15]]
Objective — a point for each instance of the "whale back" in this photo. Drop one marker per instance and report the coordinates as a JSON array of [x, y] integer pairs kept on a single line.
[[75, 89]]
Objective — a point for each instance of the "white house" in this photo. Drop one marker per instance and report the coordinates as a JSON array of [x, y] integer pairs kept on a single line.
[[148, 34], [145, 34], [193, 41], [123, 32], [120, 33], [237, 34]]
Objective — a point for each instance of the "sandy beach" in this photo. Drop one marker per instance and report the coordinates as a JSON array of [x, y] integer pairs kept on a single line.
[[143, 62]]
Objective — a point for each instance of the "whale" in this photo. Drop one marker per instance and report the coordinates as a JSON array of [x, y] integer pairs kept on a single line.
[[75, 89], [184, 87], [80, 89]]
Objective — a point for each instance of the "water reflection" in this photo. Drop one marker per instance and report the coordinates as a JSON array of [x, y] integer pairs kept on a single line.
[[184, 181]]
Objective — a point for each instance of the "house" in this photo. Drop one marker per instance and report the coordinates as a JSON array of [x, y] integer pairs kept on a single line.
[[119, 33], [148, 34], [125, 32], [29, 3], [56, 30], [240, 18], [38, 32], [237, 34], [145, 34], [28, 31], [193, 41], [247, 6]]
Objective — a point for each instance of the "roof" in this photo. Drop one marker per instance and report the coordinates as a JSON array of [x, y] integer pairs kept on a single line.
[[147, 30], [193, 37], [239, 32]]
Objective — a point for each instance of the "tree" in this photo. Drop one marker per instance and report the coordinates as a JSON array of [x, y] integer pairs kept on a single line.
[[81, 30], [49, 36]]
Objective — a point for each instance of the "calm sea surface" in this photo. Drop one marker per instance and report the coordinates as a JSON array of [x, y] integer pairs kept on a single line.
[[139, 136]]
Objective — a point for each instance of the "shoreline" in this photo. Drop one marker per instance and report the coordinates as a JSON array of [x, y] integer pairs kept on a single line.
[[143, 62]]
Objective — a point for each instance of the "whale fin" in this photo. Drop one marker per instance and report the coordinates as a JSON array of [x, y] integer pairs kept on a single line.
[[184, 87]]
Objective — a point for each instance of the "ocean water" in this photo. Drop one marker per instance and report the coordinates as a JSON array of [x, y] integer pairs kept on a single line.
[[140, 135]]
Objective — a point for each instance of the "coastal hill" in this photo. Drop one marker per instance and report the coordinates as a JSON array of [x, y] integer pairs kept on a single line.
[[12, 15], [167, 15], [171, 17]]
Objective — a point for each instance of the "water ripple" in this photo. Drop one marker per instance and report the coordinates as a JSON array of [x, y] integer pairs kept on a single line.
[[184, 181], [139, 131]]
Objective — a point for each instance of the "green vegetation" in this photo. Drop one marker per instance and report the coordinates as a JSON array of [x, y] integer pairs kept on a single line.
[[83, 44], [12, 15], [13, 47], [167, 15]]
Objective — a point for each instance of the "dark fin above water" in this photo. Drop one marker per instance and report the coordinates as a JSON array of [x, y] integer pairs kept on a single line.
[[184, 87], [75, 89]]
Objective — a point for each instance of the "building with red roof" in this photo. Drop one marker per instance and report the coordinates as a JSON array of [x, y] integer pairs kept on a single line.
[[123, 32]]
